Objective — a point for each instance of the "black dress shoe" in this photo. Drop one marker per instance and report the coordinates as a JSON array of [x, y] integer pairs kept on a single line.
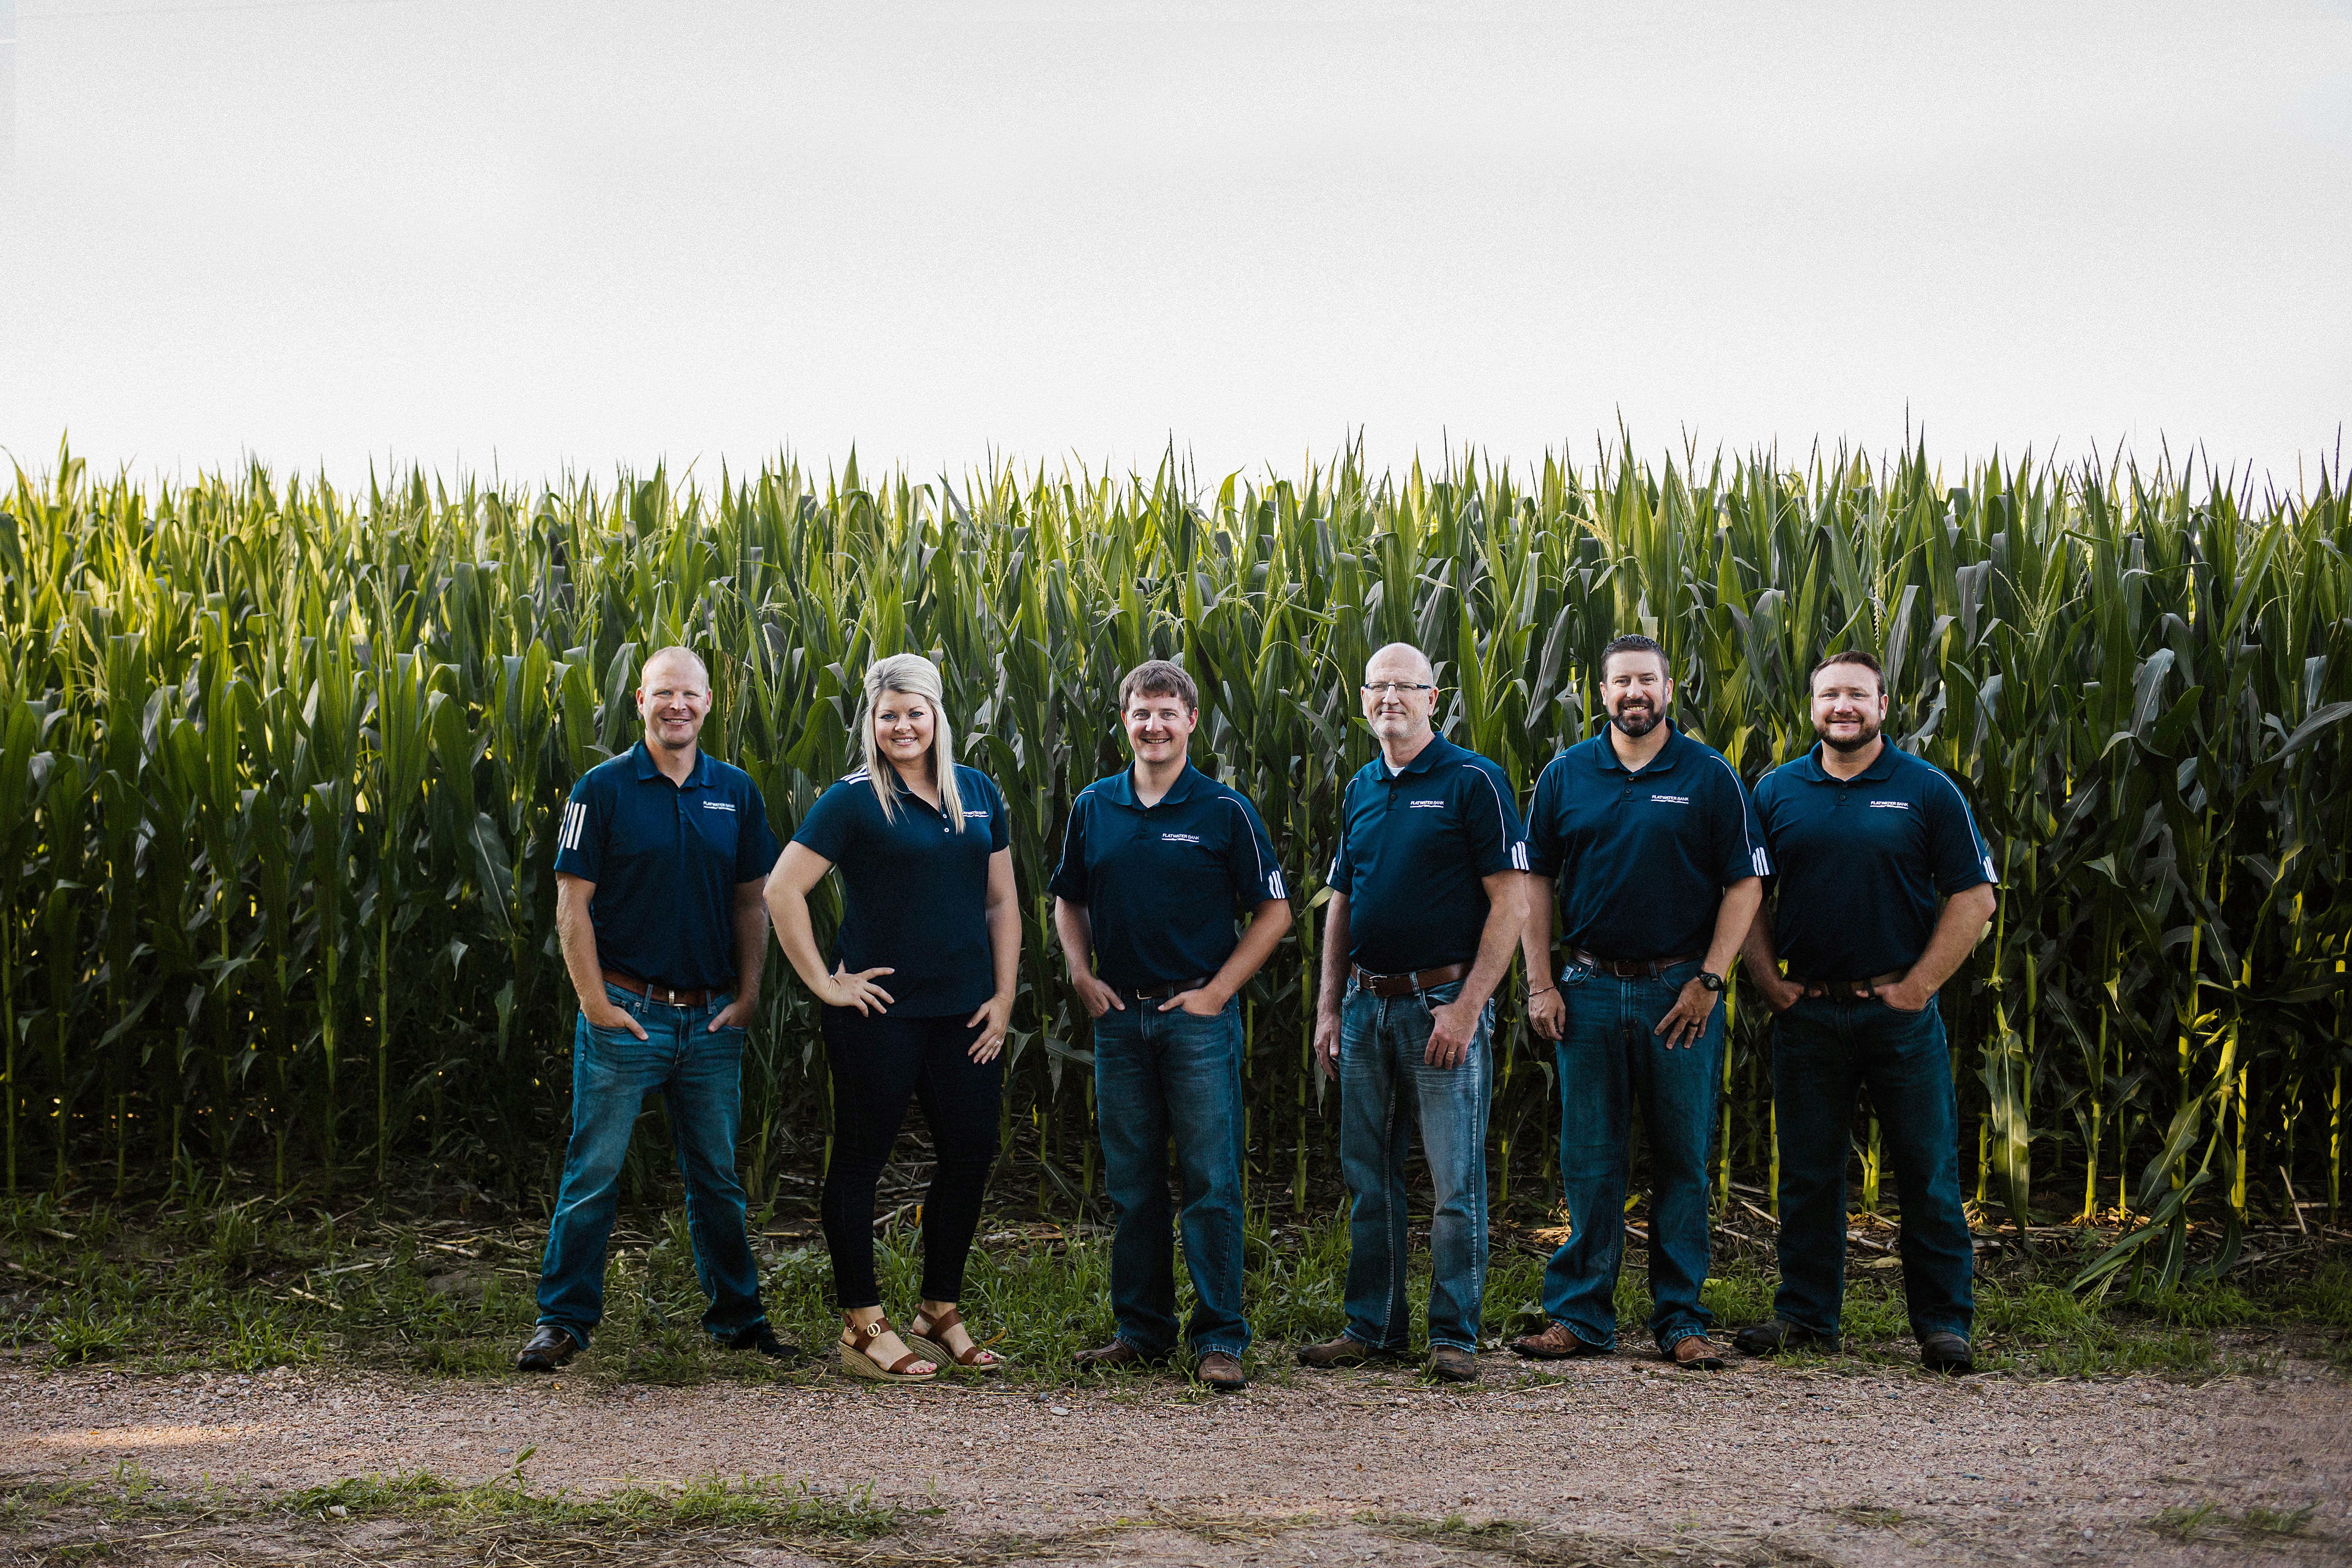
[[547, 1349], [1947, 1352], [762, 1338], [1772, 1337]]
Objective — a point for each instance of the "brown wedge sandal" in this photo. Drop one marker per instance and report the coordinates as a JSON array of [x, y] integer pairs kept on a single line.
[[855, 1362], [930, 1338]]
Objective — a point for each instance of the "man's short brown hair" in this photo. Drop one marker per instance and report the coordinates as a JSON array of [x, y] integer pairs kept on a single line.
[[1851, 655], [1159, 678]]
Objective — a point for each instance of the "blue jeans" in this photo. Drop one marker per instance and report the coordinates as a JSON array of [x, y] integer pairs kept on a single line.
[[1610, 1062], [1823, 1048], [1385, 1087], [1160, 1076], [699, 1075]]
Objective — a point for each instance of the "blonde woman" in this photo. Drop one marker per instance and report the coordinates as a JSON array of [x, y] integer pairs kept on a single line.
[[916, 1001]]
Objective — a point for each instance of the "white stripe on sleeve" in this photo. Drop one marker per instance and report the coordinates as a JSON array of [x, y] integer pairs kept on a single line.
[[1755, 851], [1984, 850]]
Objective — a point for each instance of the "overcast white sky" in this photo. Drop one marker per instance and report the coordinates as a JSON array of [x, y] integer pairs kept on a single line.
[[596, 232]]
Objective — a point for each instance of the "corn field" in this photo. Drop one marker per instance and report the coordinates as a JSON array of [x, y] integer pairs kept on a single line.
[[282, 766]]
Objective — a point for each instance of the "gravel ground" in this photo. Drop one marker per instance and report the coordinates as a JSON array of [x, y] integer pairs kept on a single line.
[[1610, 1462]]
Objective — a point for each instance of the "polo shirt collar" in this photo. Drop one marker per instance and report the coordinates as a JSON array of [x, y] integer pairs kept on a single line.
[[1605, 751], [699, 779], [1879, 770], [1120, 787], [1428, 757]]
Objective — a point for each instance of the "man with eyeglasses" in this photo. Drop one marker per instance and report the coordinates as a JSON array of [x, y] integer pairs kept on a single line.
[[1427, 897], [1659, 861]]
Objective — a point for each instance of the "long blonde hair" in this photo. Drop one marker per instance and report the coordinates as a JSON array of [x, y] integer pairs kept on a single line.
[[911, 675]]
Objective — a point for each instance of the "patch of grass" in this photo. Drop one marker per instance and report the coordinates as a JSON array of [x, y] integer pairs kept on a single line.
[[2278, 1521], [772, 1505], [2210, 1521], [245, 1285]]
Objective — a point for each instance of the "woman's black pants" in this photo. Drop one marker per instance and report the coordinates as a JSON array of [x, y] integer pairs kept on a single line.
[[879, 1062]]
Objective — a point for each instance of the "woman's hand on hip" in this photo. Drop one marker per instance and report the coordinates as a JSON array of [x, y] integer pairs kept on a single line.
[[843, 989], [995, 1015]]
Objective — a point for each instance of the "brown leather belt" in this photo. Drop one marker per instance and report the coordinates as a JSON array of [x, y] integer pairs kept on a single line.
[[1630, 968], [1406, 985], [1851, 990], [1161, 992], [652, 993]]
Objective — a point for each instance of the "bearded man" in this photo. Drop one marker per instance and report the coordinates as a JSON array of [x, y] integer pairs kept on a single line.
[[1653, 849], [1866, 838]]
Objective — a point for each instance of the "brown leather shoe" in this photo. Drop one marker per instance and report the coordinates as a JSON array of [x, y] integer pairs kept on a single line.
[[547, 1350], [1344, 1352], [1697, 1350], [1452, 1364], [1556, 1342], [1223, 1373], [1113, 1356]]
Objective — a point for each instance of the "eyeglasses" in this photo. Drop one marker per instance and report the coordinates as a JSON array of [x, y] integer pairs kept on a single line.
[[1396, 688]]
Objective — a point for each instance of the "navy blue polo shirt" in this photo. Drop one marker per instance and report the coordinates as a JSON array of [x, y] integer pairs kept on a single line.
[[666, 859], [1159, 883], [1641, 859], [1412, 847], [914, 888], [1862, 862]]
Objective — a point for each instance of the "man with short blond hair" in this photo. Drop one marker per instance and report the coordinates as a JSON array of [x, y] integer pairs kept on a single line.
[[659, 861], [1156, 860]]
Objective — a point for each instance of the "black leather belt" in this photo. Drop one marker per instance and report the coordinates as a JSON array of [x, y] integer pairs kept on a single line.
[[1407, 984], [1631, 968], [1172, 988], [1851, 990]]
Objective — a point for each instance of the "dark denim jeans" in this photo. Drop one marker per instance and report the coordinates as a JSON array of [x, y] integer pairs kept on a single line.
[[1385, 1088], [1610, 1062], [1823, 1048], [699, 1075], [1161, 1075]]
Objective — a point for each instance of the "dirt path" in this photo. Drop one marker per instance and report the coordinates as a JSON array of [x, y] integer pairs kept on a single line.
[[1610, 1461]]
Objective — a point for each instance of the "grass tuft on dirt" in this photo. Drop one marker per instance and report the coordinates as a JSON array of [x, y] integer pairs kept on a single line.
[[244, 1287]]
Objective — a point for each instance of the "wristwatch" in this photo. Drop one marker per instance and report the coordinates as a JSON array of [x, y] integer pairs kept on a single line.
[[1710, 980]]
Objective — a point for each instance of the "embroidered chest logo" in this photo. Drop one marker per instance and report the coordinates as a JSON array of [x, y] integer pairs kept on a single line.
[[981, 815], [1180, 838], [1426, 805], [718, 806], [1670, 799], [1890, 805]]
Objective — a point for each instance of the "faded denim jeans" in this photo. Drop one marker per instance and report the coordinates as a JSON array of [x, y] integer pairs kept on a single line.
[[1163, 1076], [1386, 1091], [1609, 1063], [699, 1076]]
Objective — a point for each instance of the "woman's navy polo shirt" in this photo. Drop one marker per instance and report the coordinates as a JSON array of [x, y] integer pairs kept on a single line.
[[1159, 883], [1414, 848], [914, 890], [666, 859], [1862, 861], [1643, 858]]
